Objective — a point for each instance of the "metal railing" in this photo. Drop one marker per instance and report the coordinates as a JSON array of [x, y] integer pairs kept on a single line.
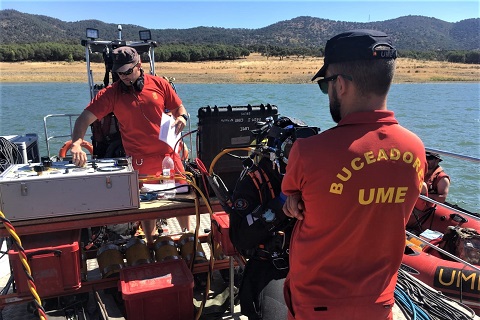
[[454, 155], [70, 117], [435, 247]]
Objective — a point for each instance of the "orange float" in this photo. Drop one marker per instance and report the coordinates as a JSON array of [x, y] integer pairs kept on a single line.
[[68, 145]]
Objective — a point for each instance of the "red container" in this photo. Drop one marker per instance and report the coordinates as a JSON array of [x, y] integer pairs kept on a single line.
[[221, 228], [54, 260], [161, 290]]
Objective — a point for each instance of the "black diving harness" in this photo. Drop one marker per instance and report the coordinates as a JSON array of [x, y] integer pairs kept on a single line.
[[276, 249]]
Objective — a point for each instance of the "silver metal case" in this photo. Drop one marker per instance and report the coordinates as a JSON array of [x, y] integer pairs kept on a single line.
[[64, 189]]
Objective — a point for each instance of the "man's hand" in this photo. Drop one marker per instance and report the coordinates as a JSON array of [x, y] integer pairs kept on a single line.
[[179, 124], [294, 206], [79, 157]]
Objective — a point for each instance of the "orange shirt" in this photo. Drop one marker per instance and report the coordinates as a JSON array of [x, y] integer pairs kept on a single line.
[[359, 181], [139, 115]]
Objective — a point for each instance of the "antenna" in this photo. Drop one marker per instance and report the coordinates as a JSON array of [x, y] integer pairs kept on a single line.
[[119, 28]]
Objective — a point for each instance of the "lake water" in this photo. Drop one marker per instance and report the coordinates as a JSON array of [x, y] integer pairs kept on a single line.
[[446, 116]]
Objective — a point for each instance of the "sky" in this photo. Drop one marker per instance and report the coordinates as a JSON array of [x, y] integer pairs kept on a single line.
[[181, 14]]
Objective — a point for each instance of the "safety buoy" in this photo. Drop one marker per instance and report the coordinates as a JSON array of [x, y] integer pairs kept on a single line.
[[68, 145]]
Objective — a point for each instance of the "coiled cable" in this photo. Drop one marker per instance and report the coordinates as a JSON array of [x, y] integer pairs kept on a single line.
[[436, 305], [9, 154], [407, 306], [26, 268]]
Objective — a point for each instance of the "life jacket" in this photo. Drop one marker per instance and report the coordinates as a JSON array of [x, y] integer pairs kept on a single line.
[[432, 181], [423, 210]]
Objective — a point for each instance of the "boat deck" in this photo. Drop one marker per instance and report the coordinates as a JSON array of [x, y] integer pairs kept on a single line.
[[23, 311], [103, 299]]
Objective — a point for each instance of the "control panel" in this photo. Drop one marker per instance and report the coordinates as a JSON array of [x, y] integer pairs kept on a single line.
[[62, 169]]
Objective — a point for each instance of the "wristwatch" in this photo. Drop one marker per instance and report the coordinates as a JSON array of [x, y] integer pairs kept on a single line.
[[184, 116]]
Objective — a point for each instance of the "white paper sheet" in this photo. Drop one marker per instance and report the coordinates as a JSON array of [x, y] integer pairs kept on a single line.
[[167, 132], [149, 187], [431, 234]]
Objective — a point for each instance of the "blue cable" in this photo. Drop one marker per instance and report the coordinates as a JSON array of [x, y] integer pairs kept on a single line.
[[403, 298], [428, 301]]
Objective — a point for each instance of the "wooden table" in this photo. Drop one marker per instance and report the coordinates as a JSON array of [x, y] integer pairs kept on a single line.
[[183, 205]]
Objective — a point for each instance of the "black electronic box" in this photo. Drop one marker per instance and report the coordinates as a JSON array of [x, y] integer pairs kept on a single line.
[[221, 128]]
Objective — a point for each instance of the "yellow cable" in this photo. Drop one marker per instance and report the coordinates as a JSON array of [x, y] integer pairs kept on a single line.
[[36, 296], [25, 264], [191, 182], [13, 234], [223, 152], [189, 177], [23, 260]]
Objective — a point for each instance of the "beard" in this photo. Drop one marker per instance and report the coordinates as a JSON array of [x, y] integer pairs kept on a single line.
[[335, 107]]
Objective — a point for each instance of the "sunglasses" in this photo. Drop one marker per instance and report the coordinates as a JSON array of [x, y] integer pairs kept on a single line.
[[126, 73], [323, 83]]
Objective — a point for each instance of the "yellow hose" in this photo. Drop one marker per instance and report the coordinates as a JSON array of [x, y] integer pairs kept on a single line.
[[223, 152], [26, 267]]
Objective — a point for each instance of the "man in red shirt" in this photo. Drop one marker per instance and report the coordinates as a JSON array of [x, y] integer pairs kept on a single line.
[[138, 100], [352, 189]]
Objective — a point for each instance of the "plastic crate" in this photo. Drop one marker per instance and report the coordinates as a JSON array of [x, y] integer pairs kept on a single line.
[[54, 260], [161, 290]]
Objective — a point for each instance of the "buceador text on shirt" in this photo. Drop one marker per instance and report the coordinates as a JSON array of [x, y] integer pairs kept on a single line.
[[378, 195]]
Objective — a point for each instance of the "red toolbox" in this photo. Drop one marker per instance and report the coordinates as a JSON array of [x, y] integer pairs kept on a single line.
[[54, 260], [221, 228], [160, 290]]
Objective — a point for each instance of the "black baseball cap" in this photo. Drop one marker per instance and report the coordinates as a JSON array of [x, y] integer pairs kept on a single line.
[[124, 58], [354, 45], [433, 155]]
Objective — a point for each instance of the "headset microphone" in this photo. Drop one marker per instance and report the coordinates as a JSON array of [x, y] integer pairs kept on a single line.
[[140, 83], [137, 85]]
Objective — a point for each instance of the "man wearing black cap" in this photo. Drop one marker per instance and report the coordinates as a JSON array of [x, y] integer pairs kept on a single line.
[[139, 101], [352, 189], [437, 181]]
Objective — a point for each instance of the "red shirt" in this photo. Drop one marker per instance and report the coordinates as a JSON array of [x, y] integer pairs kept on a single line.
[[359, 181], [139, 115]]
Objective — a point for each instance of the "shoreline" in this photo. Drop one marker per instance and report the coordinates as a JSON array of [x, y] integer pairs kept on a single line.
[[252, 69]]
